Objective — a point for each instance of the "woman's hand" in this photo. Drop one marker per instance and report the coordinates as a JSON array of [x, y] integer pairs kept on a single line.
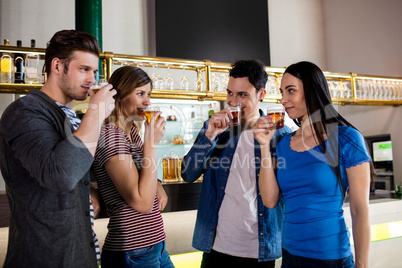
[[263, 130], [162, 196]]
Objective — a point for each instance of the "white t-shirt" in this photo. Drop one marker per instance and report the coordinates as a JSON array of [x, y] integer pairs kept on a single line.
[[237, 230]]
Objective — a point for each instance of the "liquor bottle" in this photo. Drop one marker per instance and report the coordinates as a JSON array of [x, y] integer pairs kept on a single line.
[[192, 114], [32, 66], [44, 74], [210, 111], [6, 66], [171, 116], [19, 66]]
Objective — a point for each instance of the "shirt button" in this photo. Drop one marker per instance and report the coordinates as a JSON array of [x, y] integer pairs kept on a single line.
[[92, 244], [222, 188], [226, 170], [261, 234], [257, 157], [260, 214], [86, 183], [87, 213]]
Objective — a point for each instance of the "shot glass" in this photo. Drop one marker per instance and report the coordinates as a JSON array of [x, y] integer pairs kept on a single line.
[[235, 111], [277, 114], [149, 112], [100, 83]]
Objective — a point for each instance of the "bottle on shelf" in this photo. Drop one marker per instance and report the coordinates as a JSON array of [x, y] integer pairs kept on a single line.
[[210, 111], [6, 65], [192, 115], [19, 66], [171, 116], [32, 66]]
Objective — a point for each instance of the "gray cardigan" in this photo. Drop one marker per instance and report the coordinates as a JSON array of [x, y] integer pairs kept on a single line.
[[47, 174]]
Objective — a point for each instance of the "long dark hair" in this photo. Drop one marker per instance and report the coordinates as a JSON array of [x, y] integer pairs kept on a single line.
[[325, 119]]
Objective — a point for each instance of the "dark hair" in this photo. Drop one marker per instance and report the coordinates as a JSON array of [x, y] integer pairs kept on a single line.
[[323, 115], [64, 43], [253, 69], [125, 80]]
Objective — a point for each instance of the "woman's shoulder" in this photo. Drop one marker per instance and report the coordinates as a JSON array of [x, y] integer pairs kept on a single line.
[[349, 133], [111, 131], [349, 136]]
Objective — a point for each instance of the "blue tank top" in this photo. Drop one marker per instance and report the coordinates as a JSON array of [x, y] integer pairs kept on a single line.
[[314, 225]]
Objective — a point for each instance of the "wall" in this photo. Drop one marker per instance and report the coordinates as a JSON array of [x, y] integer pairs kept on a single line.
[[364, 36], [296, 32]]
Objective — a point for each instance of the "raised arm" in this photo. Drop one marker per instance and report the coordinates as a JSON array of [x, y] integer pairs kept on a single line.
[[268, 184], [138, 190], [100, 107]]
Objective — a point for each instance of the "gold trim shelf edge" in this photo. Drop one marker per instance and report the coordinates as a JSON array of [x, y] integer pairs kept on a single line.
[[208, 67]]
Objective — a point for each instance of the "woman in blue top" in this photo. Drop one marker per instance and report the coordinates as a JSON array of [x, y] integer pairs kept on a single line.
[[316, 166]]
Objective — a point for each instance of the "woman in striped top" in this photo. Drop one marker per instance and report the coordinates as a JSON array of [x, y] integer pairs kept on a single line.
[[125, 169]]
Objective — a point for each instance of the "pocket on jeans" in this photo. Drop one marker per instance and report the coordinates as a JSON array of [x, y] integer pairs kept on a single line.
[[140, 252], [348, 262]]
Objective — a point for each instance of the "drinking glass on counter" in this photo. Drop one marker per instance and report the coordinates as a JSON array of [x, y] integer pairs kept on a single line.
[[150, 110], [171, 167], [277, 114]]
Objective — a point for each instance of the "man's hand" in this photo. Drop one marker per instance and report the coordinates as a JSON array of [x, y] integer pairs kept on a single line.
[[218, 123]]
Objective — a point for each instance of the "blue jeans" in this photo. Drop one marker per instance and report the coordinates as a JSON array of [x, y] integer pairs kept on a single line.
[[293, 261], [216, 259], [152, 257]]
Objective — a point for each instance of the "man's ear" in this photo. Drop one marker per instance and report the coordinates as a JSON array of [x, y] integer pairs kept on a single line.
[[57, 66], [261, 94]]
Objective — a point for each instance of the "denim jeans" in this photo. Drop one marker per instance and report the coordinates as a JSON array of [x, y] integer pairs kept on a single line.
[[293, 261], [152, 257], [215, 259]]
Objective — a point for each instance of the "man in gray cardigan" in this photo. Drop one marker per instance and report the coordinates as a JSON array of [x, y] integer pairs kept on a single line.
[[46, 163]]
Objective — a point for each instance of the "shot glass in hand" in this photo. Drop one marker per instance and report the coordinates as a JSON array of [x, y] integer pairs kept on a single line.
[[235, 111], [277, 114], [100, 83], [149, 112]]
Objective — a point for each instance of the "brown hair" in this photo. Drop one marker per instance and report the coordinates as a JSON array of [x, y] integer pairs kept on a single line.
[[125, 80], [64, 43]]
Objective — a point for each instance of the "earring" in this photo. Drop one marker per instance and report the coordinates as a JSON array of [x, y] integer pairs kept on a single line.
[[260, 100]]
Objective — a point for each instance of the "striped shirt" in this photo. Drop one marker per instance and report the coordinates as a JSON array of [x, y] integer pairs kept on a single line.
[[128, 229]]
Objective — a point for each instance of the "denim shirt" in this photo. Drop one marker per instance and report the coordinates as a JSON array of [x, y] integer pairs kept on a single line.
[[213, 159]]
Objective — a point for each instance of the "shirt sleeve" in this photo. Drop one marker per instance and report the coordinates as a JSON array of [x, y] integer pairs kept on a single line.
[[194, 162], [112, 141], [354, 150]]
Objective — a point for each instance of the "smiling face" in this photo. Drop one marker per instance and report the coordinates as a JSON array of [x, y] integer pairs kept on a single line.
[[241, 92], [293, 97], [76, 80], [134, 104]]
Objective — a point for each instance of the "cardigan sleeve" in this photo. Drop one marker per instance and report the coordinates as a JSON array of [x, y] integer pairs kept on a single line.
[[42, 140]]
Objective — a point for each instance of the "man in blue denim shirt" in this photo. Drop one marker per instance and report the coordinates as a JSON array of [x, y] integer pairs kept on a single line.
[[233, 227]]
